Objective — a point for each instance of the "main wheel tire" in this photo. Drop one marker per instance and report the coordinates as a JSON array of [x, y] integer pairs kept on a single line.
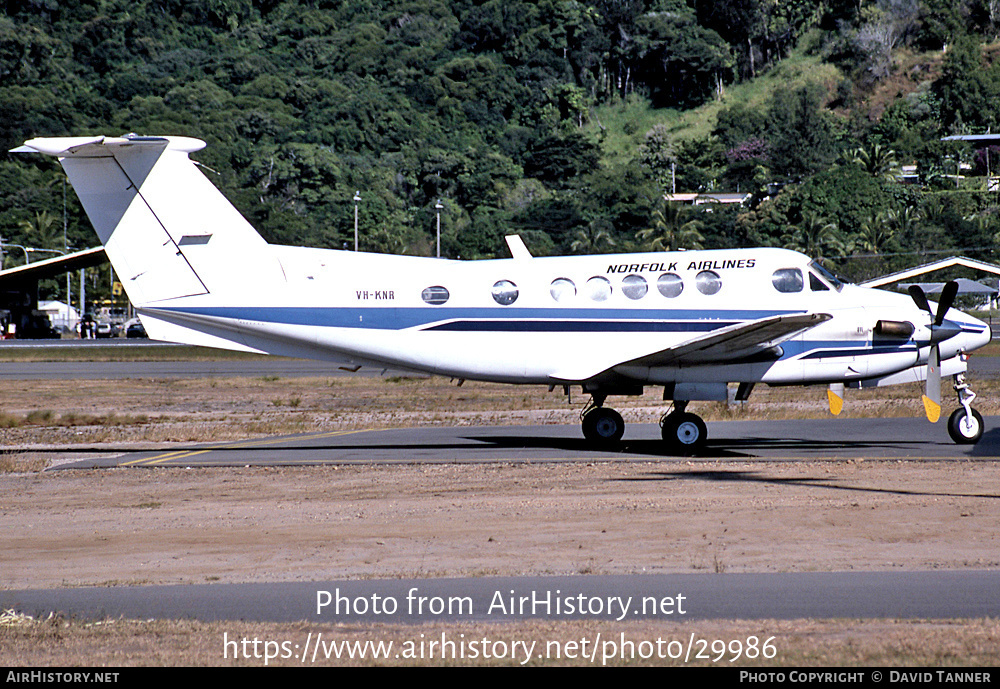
[[603, 426], [963, 430], [685, 433]]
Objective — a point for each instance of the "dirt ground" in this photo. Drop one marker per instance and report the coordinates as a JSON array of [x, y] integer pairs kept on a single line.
[[158, 526], [171, 526], [143, 526]]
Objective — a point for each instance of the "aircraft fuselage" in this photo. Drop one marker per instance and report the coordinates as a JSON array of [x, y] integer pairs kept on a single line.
[[567, 319]]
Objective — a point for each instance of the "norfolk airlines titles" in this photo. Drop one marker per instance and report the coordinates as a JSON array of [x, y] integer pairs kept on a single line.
[[673, 265]]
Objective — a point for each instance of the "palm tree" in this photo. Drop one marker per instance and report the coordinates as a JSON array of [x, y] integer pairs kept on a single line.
[[815, 236], [904, 221], [877, 233], [596, 238], [43, 232], [876, 159], [673, 228]]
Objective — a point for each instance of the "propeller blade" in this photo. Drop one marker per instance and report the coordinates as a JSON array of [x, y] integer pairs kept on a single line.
[[835, 395], [947, 299], [932, 390], [919, 298], [932, 395]]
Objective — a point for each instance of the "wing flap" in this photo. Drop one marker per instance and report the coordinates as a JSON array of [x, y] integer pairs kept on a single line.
[[725, 345], [740, 341]]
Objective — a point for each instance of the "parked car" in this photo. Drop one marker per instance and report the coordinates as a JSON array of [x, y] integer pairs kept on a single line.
[[38, 327], [105, 330], [135, 330]]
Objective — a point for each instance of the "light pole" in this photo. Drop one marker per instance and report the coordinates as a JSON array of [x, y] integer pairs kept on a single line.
[[357, 200], [69, 273], [27, 261], [438, 207]]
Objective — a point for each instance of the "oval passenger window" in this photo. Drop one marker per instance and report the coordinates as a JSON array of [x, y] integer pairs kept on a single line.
[[436, 295], [562, 289], [708, 282], [504, 292], [634, 286], [670, 285], [598, 288]]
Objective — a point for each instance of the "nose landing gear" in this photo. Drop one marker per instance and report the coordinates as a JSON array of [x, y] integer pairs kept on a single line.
[[965, 425]]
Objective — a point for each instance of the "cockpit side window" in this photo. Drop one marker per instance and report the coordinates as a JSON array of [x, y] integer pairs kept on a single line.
[[826, 276], [817, 285]]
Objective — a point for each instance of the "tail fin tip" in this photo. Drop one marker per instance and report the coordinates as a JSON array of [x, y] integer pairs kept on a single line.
[[96, 146]]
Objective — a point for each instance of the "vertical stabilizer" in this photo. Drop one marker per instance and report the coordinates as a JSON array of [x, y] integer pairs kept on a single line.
[[168, 232]]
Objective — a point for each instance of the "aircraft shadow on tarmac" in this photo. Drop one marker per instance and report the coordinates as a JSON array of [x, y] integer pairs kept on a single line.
[[492, 444], [988, 445], [749, 447], [739, 448], [825, 482]]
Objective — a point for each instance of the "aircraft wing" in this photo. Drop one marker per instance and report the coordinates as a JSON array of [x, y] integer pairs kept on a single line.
[[725, 345]]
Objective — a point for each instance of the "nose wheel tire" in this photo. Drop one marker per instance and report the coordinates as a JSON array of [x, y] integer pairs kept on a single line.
[[603, 426], [685, 433], [963, 429]]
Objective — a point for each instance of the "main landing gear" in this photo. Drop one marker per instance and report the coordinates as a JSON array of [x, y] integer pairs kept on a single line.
[[601, 425], [684, 433], [965, 425]]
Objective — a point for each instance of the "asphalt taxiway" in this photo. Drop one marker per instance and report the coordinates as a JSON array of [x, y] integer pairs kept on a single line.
[[881, 438], [909, 439], [967, 594]]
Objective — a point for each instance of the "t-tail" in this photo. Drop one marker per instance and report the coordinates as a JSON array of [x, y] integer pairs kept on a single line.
[[169, 233]]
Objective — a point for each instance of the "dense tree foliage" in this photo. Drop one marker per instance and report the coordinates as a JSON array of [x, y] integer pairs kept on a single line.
[[486, 106]]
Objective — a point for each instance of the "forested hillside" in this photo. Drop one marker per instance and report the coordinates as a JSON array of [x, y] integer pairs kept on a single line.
[[562, 120]]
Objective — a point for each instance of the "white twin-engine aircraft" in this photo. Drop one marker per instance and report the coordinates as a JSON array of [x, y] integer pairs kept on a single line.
[[693, 321]]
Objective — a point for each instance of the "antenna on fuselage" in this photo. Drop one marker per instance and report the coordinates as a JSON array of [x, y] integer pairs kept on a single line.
[[517, 248]]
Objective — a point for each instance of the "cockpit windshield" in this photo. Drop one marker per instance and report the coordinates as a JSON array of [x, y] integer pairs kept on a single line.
[[833, 280]]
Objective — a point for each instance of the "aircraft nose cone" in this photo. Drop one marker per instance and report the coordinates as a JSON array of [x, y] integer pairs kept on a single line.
[[983, 338], [974, 332]]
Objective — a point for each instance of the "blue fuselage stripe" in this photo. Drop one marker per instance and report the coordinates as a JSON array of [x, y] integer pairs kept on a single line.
[[554, 326], [834, 353], [541, 320], [500, 319]]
